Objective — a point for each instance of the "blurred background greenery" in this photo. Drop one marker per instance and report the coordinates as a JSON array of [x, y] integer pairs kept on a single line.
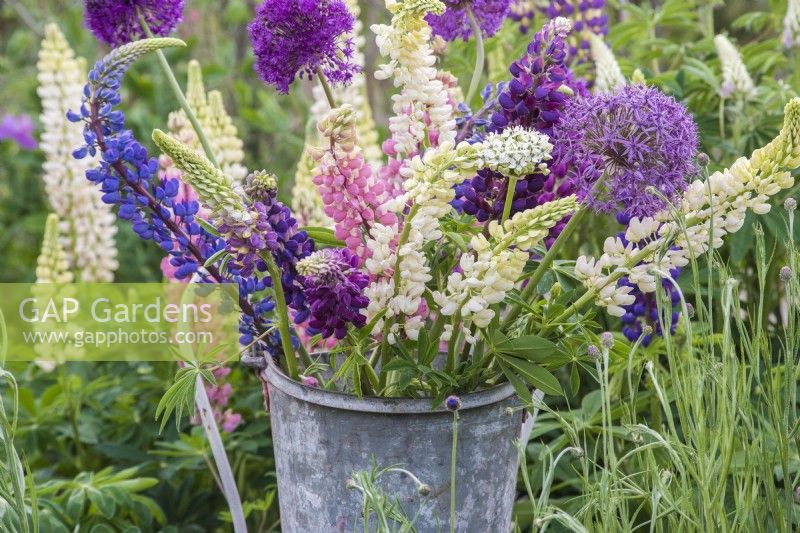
[[80, 419]]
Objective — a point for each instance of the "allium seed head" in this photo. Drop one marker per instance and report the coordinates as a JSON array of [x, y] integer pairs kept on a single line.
[[790, 204], [607, 340], [785, 274]]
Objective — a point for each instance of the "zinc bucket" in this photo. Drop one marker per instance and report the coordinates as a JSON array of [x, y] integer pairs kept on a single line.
[[321, 437]]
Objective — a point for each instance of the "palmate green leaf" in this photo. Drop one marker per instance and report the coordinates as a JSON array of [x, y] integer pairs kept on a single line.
[[179, 398], [532, 374]]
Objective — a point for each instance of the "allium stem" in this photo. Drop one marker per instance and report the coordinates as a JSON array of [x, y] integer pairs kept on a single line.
[[323, 81], [546, 262], [479, 59], [453, 474], [282, 316], [512, 185], [176, 89]]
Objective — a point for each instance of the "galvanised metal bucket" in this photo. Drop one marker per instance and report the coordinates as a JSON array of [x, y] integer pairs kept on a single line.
[[320, 438]]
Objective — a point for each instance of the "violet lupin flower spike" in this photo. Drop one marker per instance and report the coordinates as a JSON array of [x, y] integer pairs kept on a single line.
[[334, 289], [127, 176], [116, 22], [454, 23], [629, 140], [294, 38]]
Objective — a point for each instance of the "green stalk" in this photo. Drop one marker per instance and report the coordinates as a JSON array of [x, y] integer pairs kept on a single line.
[[545, 264], [326, 87], [282, 316], [512, 185], [176, 89], [479, 59], [453, 474], [590, 295]]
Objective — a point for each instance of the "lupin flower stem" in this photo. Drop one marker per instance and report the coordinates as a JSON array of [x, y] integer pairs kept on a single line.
[[479, 50], [544, 265], [591, 294], [176, 89], [282, 315], [323, 81]]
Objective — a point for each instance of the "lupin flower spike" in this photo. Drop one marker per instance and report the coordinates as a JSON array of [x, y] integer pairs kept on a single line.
[[334, 290], [213, 187], [52, 264], [608, 76], [87, 223], [735, 78], [791, 24]]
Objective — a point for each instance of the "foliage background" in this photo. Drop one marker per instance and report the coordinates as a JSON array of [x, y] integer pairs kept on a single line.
[[81, 419]]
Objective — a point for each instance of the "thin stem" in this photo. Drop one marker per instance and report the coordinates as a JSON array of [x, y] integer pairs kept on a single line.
[[176, 89], [479, 59], [326, 87], [453, 474], [546, 262], [282, 316], [512, 185]]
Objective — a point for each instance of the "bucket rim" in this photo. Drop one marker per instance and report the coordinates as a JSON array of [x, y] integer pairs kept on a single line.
[[376, 404]]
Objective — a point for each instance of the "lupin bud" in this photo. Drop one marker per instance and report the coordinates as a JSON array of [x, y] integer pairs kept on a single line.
[[261, 185]]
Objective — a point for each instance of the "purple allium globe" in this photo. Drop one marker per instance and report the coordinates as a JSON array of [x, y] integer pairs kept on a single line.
[[294, 38], [627, 142], [116, 22], [334, 289], [455, 23]]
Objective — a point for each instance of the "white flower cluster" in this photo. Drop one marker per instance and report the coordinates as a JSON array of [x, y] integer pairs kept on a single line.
[[429, 182], [87, 224], [735, 78], [791, 24], [354, 94], [516, 152], [607, 74], [422, 108], [216, 123], [708, 211], [492, 266]]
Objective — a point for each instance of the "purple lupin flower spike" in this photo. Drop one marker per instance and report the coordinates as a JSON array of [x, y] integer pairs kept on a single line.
[[334, 288]]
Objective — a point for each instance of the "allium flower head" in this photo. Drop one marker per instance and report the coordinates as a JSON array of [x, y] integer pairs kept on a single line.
[[293, 38], [628, 141], [455, 23], [116, 22], [334, 290], [516, 151]]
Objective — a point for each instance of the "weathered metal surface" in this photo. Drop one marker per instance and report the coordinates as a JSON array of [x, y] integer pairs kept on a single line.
[[321, 437]]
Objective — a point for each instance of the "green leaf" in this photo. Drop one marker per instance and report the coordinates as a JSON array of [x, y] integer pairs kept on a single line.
[[530, 347], [206, 225], [75, 504], [519, 385], [104, 503], [214, 258], [179, 398], [534, 375], [323, 236]]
